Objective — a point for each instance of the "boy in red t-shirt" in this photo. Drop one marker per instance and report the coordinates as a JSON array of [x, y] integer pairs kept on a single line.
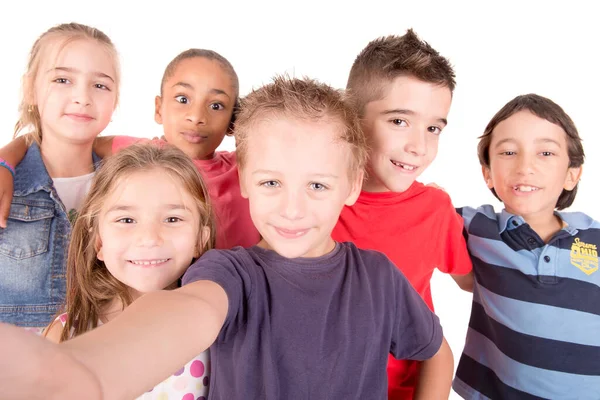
[[403, 90]]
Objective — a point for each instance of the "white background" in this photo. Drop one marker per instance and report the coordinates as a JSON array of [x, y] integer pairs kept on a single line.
[[499, 51]]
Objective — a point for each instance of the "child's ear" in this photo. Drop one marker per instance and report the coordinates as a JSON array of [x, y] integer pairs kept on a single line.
[[98, 248], [487, 176], [203, 239], [355, 189], [157, 113], [573, 177]]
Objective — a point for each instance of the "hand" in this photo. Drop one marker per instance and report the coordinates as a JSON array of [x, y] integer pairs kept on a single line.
[[435, 185], [32, 367], [6, 195]]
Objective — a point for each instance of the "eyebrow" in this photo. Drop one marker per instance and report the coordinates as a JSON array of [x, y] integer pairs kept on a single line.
[[269, 172], [543, 140], [189, 86], [73, 70], [410, 112], [130, 208]]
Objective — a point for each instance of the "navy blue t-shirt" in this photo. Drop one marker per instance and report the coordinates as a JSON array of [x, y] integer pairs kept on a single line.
[[312, 328]]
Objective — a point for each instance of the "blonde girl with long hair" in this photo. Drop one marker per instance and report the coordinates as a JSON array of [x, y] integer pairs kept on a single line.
[[146, 218], [69, 93]]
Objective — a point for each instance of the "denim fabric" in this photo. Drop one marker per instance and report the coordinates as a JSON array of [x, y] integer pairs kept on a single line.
[[33, 247]]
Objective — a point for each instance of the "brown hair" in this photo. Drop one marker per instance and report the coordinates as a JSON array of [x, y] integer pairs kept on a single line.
[[209, 55], [29, 115], [90, 286], [543, 108], [304, 99], [387, 58]]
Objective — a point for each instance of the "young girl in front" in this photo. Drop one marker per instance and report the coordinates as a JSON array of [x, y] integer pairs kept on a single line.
[[144, 221], [70, 90], [299, 316], [197, 105]]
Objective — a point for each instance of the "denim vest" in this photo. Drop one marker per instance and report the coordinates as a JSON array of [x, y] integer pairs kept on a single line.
[[33, 247]]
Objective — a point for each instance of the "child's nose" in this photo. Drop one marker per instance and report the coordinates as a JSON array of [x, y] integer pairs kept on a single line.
[[197, 115], [81, 95], [294, 206], [416, 142], [525, 164], [148, 235]]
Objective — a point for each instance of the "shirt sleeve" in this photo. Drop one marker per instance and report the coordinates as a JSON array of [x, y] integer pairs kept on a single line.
[[417, 333], [227, 268], [454, 256]]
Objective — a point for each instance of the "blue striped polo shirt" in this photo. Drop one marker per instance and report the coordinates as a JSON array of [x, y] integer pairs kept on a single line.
[[534, 331]]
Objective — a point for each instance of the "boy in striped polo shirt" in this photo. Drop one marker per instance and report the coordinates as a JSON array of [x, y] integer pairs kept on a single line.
[[535, 320]]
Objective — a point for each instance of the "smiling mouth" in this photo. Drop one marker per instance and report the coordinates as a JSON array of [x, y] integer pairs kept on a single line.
[[525, 188], [291, 233], [149, 263], [404, 166], [79, 117]]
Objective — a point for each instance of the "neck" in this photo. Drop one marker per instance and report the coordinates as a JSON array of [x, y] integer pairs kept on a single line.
[[545, 225], [66, 160]]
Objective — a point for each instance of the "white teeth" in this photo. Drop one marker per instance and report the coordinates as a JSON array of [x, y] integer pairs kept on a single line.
[[523, 188], [403, 166], [150, 262]]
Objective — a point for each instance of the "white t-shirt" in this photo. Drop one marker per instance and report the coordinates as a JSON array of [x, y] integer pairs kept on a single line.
[[72, 191]]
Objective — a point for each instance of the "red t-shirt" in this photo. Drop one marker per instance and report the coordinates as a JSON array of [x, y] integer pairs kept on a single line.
[[419, 230], [232, 212]]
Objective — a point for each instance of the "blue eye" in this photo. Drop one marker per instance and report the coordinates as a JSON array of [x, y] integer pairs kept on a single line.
[[270, 184], [318, 187]]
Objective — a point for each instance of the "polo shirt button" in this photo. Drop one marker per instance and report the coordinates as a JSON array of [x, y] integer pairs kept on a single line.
[[547, 259], [531, 241], [515, 223]]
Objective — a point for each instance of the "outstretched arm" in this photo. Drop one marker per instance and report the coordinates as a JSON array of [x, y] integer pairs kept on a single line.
[[13, 153], [170, 327]]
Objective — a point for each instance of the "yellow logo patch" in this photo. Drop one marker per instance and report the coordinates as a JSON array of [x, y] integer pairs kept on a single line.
[[584, 256]]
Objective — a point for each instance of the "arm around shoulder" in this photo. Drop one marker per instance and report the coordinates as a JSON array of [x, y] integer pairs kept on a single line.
[[103, 146], [10, 155], [465, 282]]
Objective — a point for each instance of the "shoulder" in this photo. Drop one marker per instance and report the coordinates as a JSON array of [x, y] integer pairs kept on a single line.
[[579, 220], [471, 215], [430, 197], [372, 262], [219, 264], [227, 155]]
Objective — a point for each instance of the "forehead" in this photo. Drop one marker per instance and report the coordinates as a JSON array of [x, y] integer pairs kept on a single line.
[[411, 94], [150, 188], [524, 126], [287, 144], [81, 54], [201, 71]]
